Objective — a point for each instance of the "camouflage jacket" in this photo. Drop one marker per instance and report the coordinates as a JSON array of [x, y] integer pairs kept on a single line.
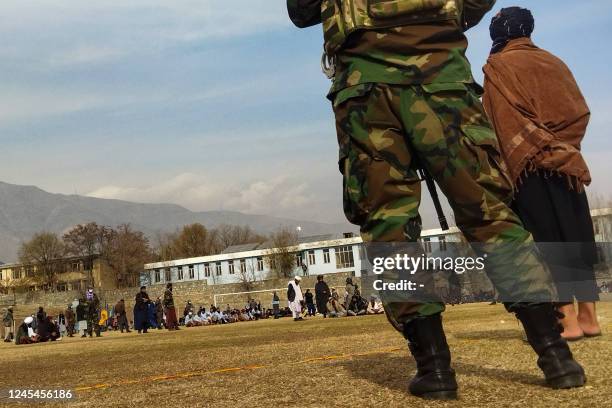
[[428, 53], [306, 13], [7, 320]]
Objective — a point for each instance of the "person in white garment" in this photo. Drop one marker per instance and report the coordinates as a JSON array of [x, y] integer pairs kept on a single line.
[[375, 306], [295, 298]]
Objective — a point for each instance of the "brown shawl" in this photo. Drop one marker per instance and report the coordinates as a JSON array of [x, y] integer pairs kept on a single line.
[[538, 112]]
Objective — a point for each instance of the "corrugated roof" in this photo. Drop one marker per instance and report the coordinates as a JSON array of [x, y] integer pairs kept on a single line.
[[268, 244]]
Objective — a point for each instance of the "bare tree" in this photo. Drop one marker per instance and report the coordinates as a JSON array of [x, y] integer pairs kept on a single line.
[[126, 251], [248, 277], [44, 253], [164, 249], [192, 241], [196, 240], [281, 258], [85, 241], [228, 235]]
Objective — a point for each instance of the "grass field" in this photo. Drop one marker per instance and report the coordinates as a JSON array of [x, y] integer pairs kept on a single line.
[[350, 362]]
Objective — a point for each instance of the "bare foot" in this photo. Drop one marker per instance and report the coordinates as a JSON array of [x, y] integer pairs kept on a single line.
[[571, 328], [587, 319]]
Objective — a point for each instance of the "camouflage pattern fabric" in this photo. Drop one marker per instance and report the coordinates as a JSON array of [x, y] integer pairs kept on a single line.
[[404, 56], [384, 131], [404, 93], [341, 18], [93, 315]]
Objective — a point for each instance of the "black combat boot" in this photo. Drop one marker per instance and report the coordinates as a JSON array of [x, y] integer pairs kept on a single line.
[[555, 358], [435, 379]]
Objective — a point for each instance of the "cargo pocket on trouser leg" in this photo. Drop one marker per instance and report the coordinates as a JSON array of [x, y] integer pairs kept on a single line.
[[354, 186], [490, 169], [350, 106], [381, 190]]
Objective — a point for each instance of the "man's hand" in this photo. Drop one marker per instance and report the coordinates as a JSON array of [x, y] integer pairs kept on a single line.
[[474, 11]]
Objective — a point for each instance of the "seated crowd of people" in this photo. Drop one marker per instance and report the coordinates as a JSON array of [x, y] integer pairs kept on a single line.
[[215, 315], [38, 328]]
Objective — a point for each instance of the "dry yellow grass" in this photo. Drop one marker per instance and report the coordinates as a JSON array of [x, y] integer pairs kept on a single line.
[[347, 362]]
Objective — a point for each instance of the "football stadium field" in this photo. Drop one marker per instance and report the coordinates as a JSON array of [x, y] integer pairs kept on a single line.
[[346, 362]]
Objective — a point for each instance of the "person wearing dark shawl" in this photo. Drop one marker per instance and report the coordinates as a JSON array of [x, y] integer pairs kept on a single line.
[[322, 295], [47, 330], [70, 320], [170, 310], [141, 318], [540, 117], [152, 315], [122, 320]]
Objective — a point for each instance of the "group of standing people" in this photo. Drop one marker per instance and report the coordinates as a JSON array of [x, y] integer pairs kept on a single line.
[[327, 302], [81, 316], [149, 314]]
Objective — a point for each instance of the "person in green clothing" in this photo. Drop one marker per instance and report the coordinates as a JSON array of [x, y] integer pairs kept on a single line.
[[405, 99]]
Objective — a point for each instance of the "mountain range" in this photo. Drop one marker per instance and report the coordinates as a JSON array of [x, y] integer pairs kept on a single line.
[[26, 210]]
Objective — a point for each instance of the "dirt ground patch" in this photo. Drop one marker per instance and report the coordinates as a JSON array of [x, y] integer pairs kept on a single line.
[[359, 361]]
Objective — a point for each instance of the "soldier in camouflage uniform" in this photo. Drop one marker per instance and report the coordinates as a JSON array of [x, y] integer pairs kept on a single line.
[[93, 312], [404, 97]]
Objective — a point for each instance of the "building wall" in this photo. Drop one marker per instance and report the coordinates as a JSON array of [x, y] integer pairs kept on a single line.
[[75, 275], [157, 273]]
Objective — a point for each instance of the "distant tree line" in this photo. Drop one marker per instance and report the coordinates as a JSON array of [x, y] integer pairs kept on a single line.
[[126, 250], [196, 240]]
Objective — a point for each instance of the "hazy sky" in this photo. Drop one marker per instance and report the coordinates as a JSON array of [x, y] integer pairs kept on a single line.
[[214, 104]]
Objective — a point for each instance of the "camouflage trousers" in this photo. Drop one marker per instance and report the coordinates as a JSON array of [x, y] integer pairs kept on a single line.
[[385, 132], [93, 325]]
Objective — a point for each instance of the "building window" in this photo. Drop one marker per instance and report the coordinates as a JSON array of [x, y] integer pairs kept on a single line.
[[157, 276], [180, 273], [260, 264], [326, 258], [168, 275], [442, 243], [207, 270], [218, 268], [344, 257], [29, 271], [311, 258], [298, 259], [75, 266], [191, 272], [231, 267], [427, 245], [62, 287], [243, 266]]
